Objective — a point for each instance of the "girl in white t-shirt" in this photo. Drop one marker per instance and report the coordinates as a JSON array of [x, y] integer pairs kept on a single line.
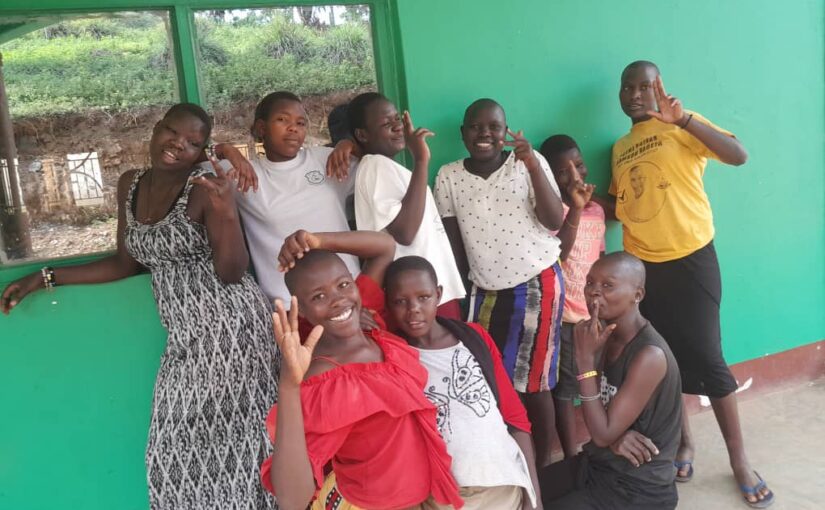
[[500, 209], [389, 197]]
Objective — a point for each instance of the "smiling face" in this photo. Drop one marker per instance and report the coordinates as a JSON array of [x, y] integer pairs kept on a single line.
[[484, 131], [327, 295], [636, 92], [177, 141], [616, 285], [283, 131], [383, 131], [412, 302]]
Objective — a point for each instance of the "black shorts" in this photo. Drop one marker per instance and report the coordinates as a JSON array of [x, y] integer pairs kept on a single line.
[[567, 387], [682, 300]]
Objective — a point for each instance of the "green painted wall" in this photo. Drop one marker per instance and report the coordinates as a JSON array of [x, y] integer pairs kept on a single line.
[[77, 365], [755, 68]]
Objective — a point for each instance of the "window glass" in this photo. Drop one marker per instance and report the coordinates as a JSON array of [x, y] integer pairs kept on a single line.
[[322, 54], [83, 92]]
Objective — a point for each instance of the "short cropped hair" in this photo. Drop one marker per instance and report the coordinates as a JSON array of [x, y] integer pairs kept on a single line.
[[311, 259], [555, 145], [408, 263], [193, 110], [478, 104], [265, 105], [357, 110]]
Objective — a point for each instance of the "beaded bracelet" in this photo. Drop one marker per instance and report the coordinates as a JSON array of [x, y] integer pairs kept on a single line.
[[49, 282], [586, 375], [590, 398]]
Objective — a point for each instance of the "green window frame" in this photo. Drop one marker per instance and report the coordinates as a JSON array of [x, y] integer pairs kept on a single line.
[[389, 68]]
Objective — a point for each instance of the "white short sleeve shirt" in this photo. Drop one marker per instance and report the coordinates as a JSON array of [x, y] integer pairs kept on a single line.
[[380, 184], [506, 244], [292, 195]]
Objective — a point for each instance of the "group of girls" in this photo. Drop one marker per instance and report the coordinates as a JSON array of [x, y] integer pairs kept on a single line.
[[386, 399]]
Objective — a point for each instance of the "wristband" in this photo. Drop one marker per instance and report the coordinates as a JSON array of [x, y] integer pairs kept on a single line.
[[586, 375], [690, 117], [590, 398]]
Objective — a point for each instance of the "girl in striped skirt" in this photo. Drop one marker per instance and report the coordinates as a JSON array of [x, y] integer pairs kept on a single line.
[[499, 209]]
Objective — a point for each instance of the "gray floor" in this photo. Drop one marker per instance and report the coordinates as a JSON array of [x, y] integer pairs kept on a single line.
[[785, 438]]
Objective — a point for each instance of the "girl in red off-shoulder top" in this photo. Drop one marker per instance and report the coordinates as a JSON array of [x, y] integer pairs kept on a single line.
[[351, 398]]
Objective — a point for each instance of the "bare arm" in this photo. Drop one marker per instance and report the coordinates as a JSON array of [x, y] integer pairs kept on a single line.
[[291, 472], [376, 248], [114, 267], [548, 204], [579, 193], [405, 225], [646, 371], [216, 198], [727, 148], [457, 245], [525, 444]]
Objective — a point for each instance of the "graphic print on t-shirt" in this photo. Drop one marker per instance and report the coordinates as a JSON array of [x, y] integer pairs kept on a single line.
[[642, 191], [608, 391], [315, 177], [465, 385]]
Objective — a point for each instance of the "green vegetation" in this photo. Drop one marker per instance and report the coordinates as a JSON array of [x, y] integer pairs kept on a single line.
[[124, 63]]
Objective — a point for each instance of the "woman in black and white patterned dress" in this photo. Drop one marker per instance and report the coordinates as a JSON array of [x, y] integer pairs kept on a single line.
[[217, 377]]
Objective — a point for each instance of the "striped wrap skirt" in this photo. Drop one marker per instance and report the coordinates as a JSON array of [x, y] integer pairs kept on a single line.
[[525, 323]]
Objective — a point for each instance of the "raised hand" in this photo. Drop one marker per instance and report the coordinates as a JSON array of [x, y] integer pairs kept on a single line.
[[242, 170], [19, 289], [294, 248], [523, 150], [634, 447], [338, 160], [590, 336], [670, 108], [295, 356], [218, 189], [579, 192], [416, 139]]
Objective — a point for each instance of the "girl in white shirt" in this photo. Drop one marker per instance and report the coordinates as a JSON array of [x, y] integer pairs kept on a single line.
[[390, 198]]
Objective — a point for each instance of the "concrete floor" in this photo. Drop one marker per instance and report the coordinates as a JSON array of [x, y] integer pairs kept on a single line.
[[785, 438]]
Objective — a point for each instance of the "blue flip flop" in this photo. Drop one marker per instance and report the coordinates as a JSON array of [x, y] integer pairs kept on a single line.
[[754, 491], [679, 464]]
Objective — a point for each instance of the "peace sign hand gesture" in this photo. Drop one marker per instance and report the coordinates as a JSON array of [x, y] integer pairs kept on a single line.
[[219, 189], [670, 108], [523, 150], [295, 357], [579, 192], [416, 139], [590, 336]]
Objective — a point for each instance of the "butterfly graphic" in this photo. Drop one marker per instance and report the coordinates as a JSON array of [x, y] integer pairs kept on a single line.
[[468, 385], [442, 406]]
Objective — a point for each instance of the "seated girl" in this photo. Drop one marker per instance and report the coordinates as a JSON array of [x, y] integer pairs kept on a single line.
[[480, 415], [629, 385], [351, 398], [390, 198]]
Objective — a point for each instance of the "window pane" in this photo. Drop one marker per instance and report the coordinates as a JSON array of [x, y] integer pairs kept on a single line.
[[323, 54], [83, 94]]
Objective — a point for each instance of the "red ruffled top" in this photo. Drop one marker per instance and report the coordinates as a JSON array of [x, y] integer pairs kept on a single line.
[[378, 429]]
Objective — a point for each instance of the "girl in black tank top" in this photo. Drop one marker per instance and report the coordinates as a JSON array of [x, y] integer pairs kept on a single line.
[[630, 390]]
